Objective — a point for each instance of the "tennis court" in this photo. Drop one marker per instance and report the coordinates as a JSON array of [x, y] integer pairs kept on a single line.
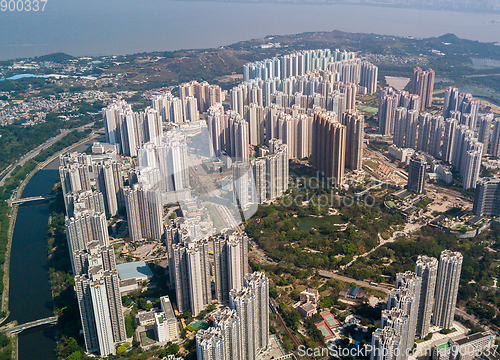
[[327, 333], [330, 319], [147, 337]]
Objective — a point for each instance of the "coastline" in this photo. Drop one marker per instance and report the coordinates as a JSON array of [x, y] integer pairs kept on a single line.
[[300, 18]]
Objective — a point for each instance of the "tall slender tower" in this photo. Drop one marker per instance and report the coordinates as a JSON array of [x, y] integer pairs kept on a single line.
[[495, 138], [259, 175], [426, 268], [242, 179], [252, 307], [406, 297], [423, 85], [484, 135], [355, 132], [424, 131], [416, 175], [144, 212], [74, 174], [230, 262], [198, 269], [83, 228], [386, 113], [450, 101], [99, 301], [243, 301], [106, 184], [191, 275], [436, 131], [411, 129], [448, 140], [448, 278], [329, 146], [259, 285]]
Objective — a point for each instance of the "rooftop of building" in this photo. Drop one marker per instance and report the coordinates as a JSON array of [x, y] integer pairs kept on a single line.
[[167, 308], [476, 219], [146, 316], [310, 291], [473, 337], [134, 270], [308, 307]]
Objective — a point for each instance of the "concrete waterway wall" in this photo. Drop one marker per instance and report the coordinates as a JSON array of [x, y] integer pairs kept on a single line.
[[13, 217]]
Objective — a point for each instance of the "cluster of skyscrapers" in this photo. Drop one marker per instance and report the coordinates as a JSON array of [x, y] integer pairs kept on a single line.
[[423, 85], [96, 185], [311, 79], [421, 298], [294, 64], [338, 143], [205, 94], [129, 130], [263, 179], [191, 270], [460, 137], [318, 90], [241, 331], [390, 100], [289, 99], [92, 257], [349, 68]]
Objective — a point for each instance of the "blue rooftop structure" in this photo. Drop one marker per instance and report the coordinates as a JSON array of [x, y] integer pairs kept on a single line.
[[134, 270], [354, 291]]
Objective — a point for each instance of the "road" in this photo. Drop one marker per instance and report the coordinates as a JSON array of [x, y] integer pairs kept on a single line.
[[331, 275], [11, 328], [5, 174], [479, 75], [206, 185]]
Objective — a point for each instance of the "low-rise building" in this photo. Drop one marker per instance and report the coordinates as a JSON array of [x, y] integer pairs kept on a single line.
[[166, 328], [307, 310], [403, 155], [309, 295], [352, 292], [146, 318], [132, 274], [464, 348]]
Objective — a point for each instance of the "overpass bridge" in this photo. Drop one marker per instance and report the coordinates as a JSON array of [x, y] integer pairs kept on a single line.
[[32, 199], [16, 329]]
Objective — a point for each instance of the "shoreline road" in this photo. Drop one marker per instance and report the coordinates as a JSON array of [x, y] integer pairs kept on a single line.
[[5, 174]]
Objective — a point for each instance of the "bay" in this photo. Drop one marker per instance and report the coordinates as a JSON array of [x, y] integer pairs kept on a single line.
[[114, 27]]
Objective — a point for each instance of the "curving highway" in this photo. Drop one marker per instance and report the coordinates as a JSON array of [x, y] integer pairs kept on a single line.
[[5, 174]]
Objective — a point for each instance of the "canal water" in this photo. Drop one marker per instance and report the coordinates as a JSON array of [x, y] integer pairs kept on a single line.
[[30, 297]]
